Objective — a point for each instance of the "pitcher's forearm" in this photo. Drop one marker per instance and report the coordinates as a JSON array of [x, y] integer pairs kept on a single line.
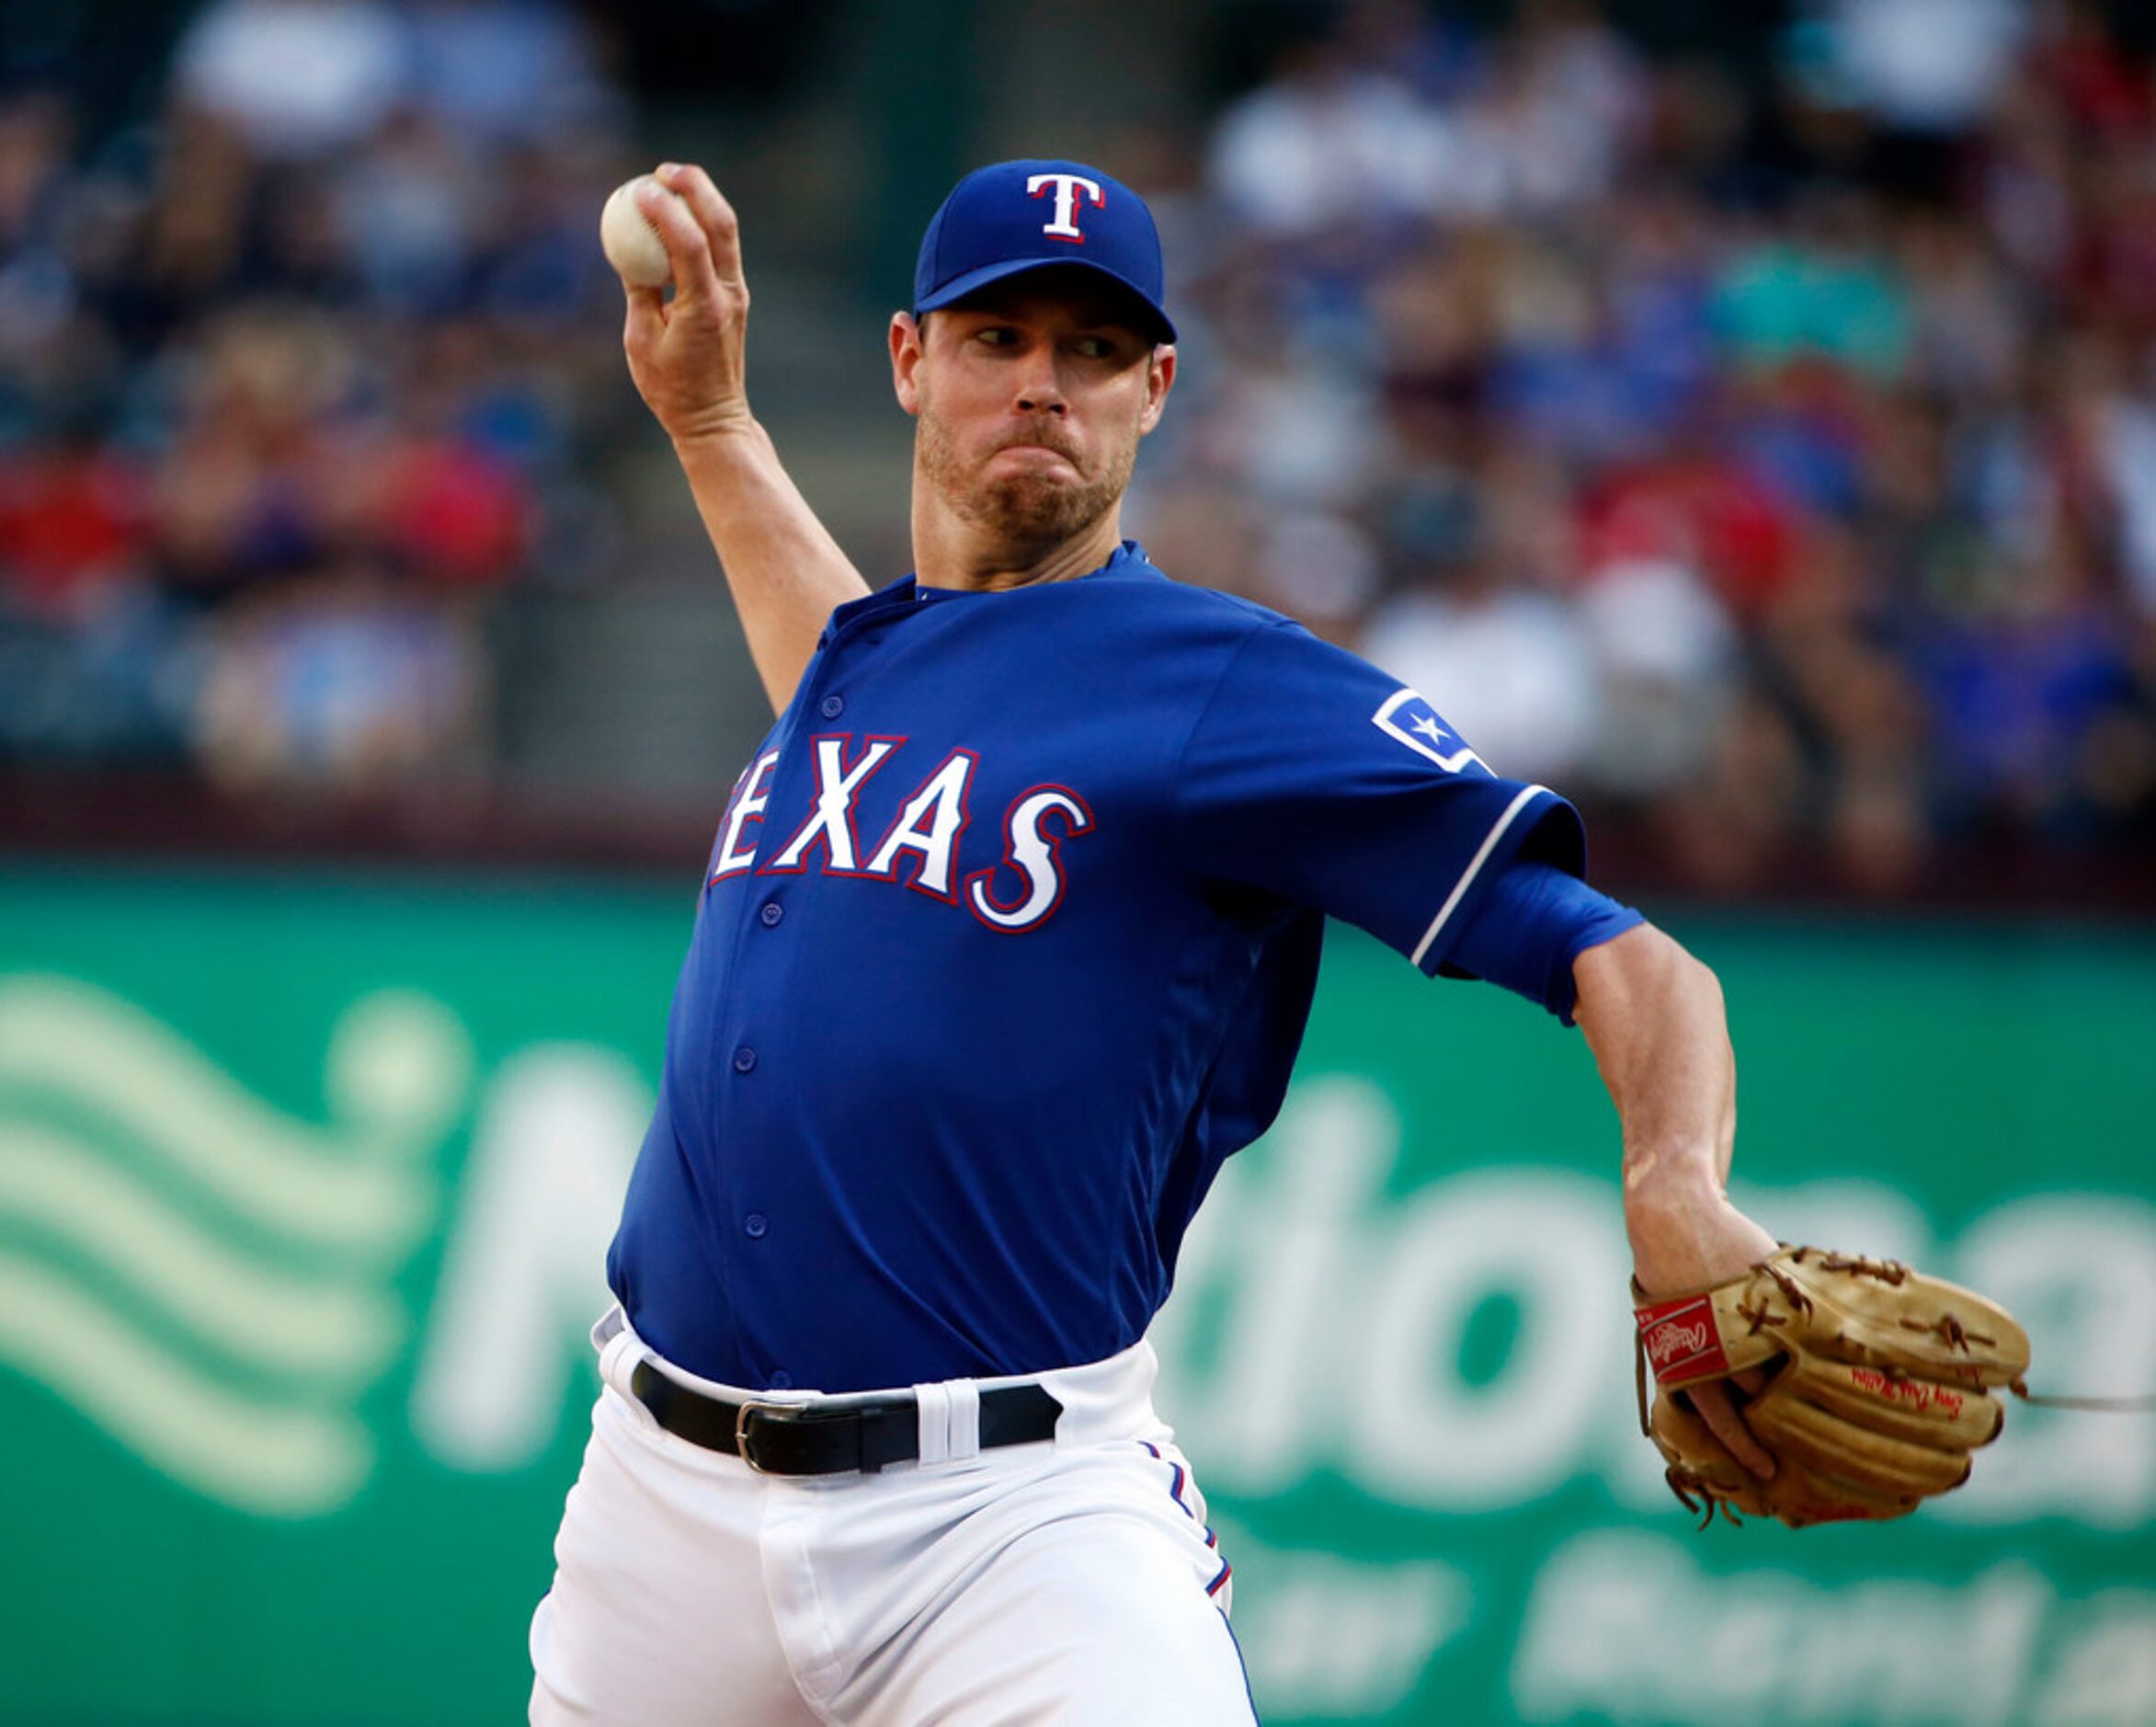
[[687, 356], [1654, 1017], [785, 570]]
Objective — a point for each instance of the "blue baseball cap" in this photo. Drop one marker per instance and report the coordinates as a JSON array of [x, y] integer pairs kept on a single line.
[[1012, 217]]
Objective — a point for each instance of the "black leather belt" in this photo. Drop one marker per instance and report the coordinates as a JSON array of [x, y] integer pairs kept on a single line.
[[829, 1438]]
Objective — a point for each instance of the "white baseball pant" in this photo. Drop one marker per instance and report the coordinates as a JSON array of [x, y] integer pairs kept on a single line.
[[1071, 1581]]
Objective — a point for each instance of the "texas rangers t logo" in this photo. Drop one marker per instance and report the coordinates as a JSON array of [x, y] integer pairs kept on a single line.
[[1067, 188]]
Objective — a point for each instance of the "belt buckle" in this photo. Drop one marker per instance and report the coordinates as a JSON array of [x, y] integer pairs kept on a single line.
[[741, 1415]]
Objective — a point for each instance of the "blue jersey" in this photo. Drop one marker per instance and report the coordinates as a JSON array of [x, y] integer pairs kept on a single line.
[[1007, 940]]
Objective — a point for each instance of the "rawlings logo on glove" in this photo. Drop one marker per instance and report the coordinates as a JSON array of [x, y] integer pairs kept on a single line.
[[1880, 1386], [1681, 1341]]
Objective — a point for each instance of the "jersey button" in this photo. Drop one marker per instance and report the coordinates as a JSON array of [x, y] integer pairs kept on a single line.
[[754, 1225], [782, 1380], [833, 705], [744, 1060], [772, 913]]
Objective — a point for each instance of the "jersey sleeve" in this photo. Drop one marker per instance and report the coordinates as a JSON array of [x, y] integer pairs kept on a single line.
[[1313, 776], [1530, 929]]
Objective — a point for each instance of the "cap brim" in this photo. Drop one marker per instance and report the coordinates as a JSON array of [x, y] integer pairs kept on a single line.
[[974, 281]]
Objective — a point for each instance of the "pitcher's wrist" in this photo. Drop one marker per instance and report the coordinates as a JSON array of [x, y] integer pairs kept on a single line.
[[721, 433]]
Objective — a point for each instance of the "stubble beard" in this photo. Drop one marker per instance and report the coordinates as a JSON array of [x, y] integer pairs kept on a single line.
[[1026, 511]]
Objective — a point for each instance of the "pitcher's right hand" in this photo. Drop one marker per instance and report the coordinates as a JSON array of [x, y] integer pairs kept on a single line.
[[687, 355]]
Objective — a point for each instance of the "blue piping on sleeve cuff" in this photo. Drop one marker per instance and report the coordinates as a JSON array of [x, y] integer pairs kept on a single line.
[[1532, 922]]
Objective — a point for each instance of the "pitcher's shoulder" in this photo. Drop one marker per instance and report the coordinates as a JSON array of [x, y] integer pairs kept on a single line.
[[1181, 607]]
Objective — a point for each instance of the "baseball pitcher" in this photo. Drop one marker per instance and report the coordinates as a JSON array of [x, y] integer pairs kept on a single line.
[[1006, 941]]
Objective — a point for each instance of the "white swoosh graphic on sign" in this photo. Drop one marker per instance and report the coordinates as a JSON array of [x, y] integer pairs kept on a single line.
[[273, 1461], [262, 1318], [103, 1054]]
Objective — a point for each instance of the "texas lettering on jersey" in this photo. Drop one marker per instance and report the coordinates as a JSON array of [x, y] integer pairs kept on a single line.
[[920, 849]]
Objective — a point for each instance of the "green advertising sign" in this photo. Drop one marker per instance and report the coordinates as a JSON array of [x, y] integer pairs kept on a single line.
[[305, 1181]]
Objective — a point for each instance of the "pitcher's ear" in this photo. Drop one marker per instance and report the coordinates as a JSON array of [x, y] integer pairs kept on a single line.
[[907, 334], [1159, 380]]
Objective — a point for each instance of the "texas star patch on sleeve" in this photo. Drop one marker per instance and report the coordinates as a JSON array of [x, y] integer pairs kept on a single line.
[[1284, 786], [1410, 719]]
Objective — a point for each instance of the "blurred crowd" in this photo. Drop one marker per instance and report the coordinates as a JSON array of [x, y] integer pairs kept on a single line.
[[286, 374], [1767, 451], [1780, 467]]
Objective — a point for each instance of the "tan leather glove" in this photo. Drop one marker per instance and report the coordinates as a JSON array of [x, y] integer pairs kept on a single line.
[[1879, 1385]]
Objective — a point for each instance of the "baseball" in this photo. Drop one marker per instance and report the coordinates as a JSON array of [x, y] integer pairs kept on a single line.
[[633, 246]]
